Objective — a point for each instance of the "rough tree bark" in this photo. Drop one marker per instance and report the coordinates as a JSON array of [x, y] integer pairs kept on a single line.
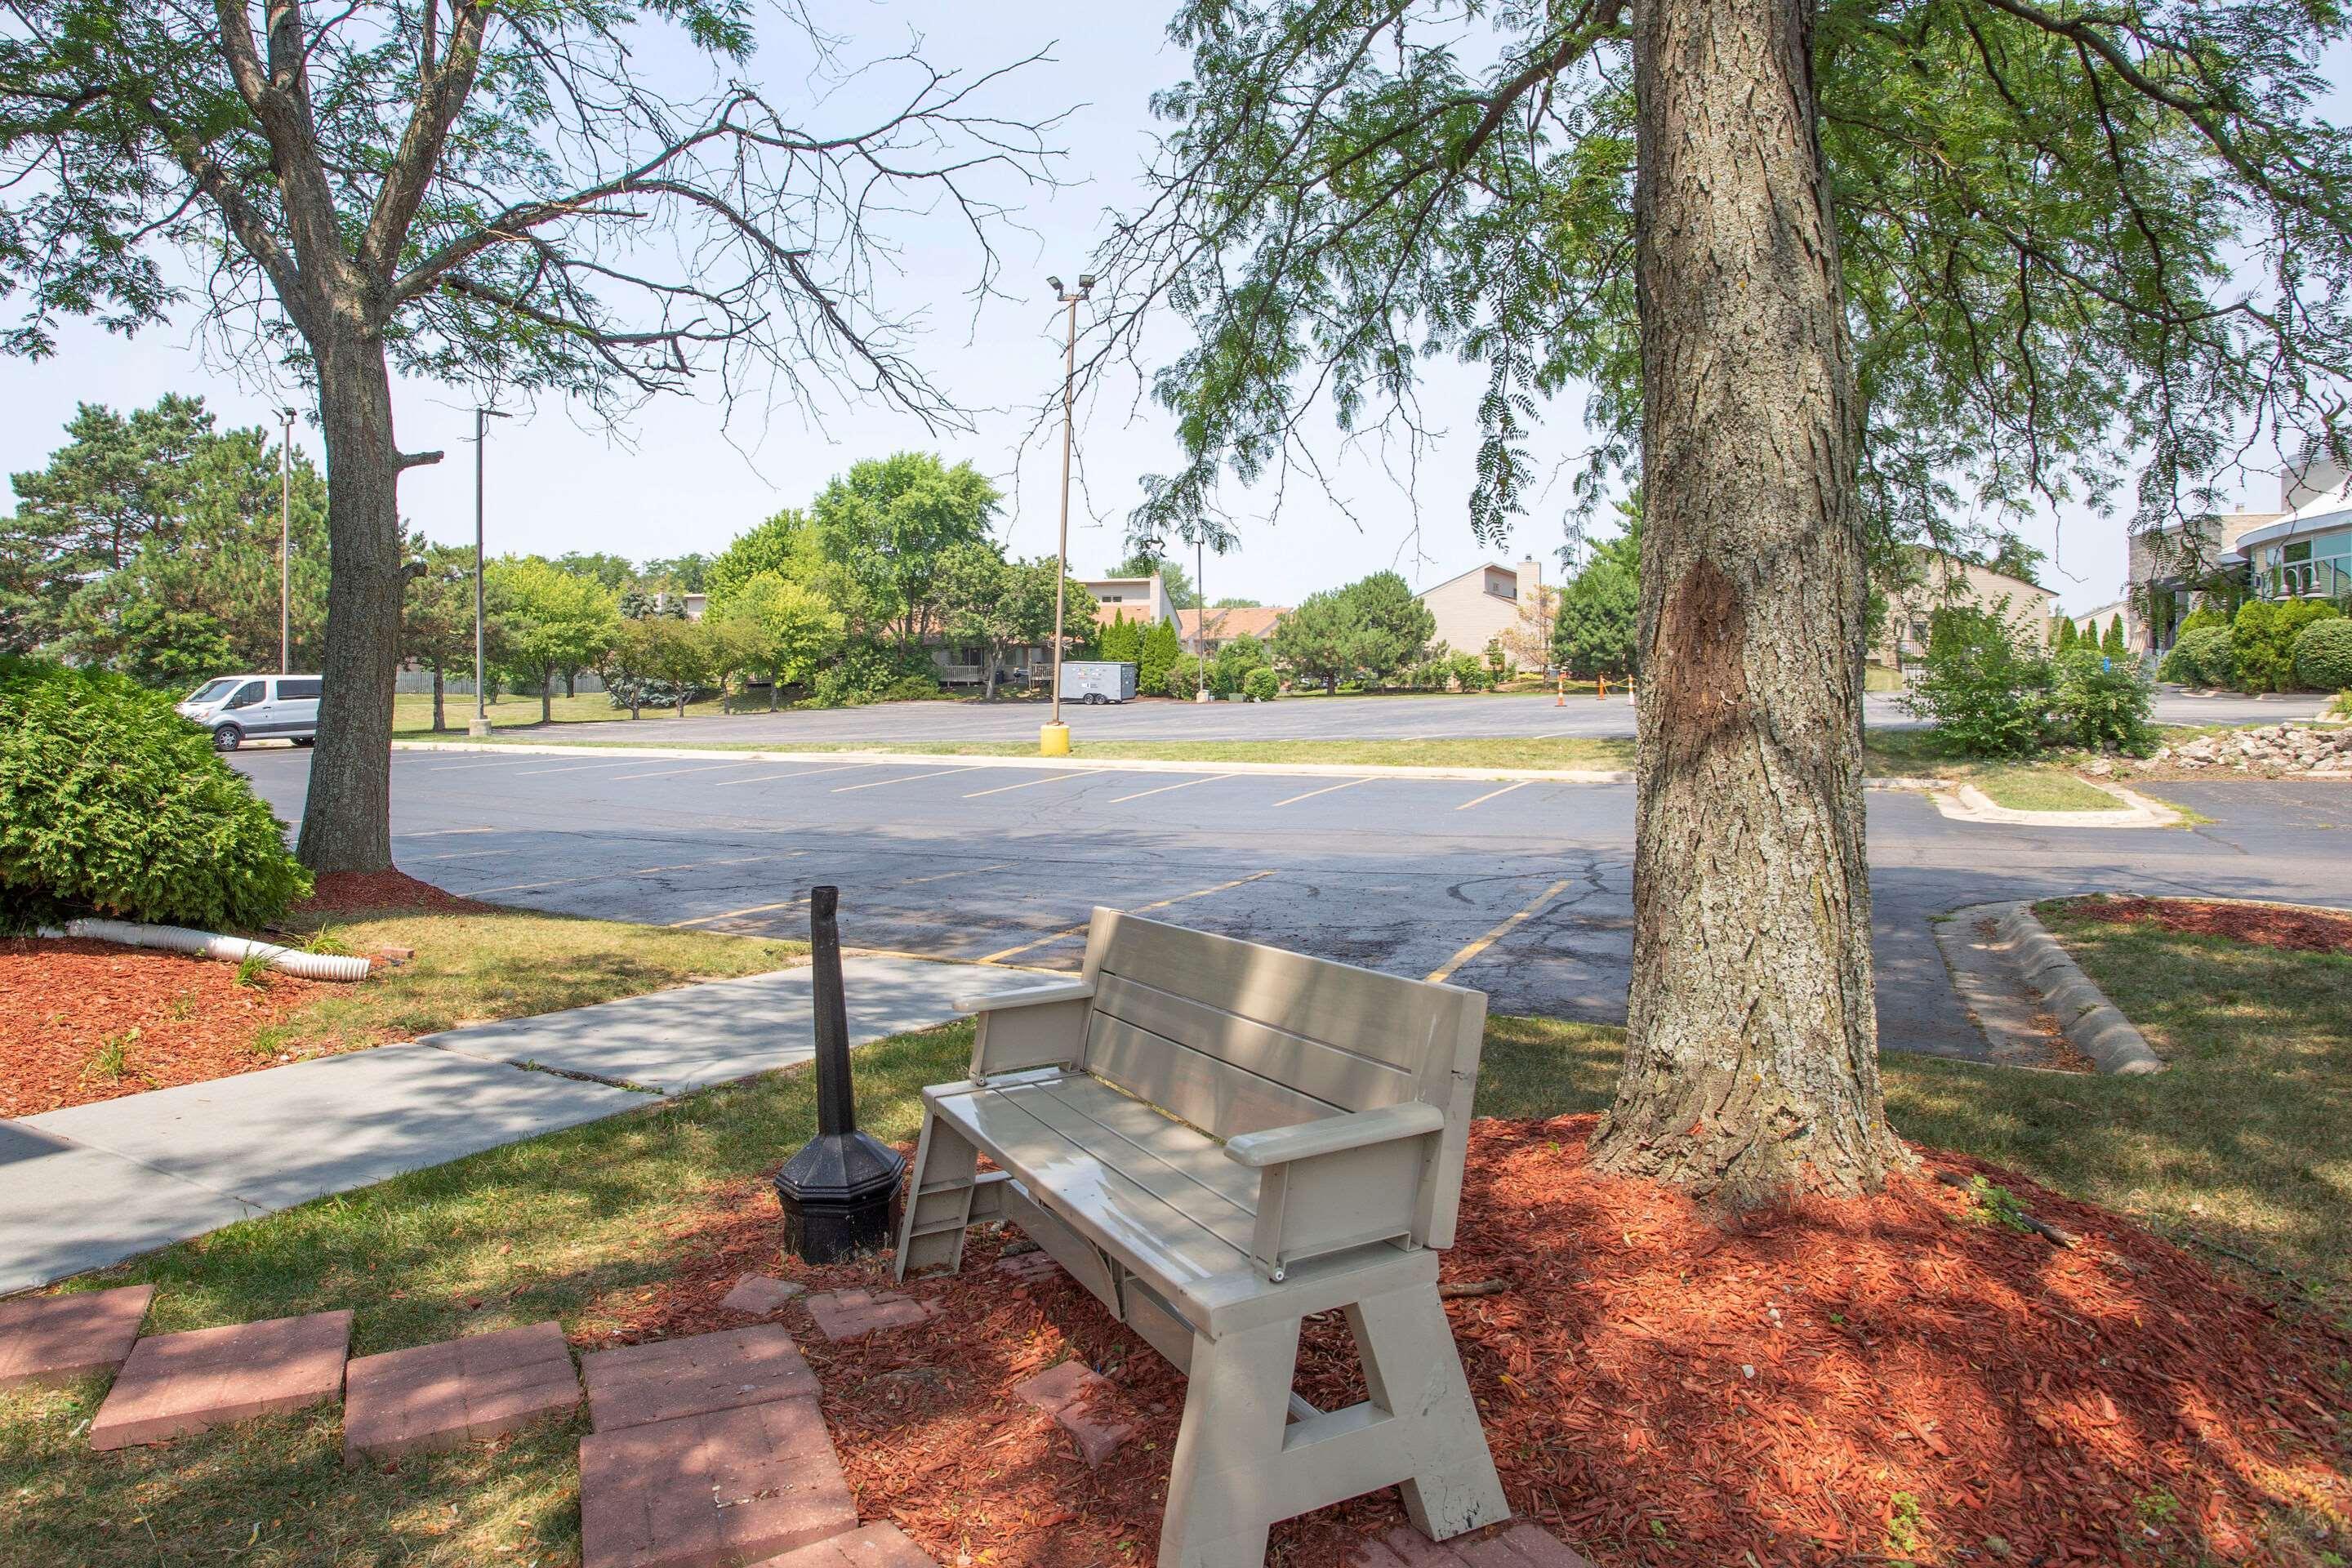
[[1752, 1067], [347, 815]]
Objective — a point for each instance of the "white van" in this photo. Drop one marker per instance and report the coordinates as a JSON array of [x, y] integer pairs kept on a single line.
[[241, 708]]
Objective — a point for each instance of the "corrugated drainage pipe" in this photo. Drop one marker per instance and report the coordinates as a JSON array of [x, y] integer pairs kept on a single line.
[[232, 949]]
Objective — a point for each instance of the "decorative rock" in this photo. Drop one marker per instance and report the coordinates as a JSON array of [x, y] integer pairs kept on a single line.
[[875, 1546], [702, 1492], [441, 1396], [694, 1376], [177, 1384], [759, 1295], [1064, 1392], [56, 1338], [850, 1314]]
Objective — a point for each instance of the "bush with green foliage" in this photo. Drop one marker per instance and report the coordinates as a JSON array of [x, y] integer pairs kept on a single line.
[[2204, 655], [1986, 693], [2101, 701], [1161, 649], [1470, 672], [1230, 670], [2323, 656], [1261, 685], [2262, 640], [875, 672], [1181, 679], [1122, 640], [113, 803]]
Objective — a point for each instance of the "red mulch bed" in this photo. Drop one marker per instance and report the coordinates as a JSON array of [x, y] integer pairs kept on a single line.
[[1659, 1386], [60, 1001], [2265, 925], [372, 892]]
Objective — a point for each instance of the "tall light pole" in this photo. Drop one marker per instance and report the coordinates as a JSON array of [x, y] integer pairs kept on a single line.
[[478, 726], [1201, 615], [1054, 737], [285, 541]]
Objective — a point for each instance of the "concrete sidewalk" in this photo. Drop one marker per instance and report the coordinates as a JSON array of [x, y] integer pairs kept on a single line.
[[93, 1184]]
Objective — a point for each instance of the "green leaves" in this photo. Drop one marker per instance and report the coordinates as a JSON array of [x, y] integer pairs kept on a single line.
[[113, 803], [2069, 239]]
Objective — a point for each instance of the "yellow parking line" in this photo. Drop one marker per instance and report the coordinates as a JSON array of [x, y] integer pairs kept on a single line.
[[908, 778], [1311, 794], [1164, 789], [1493, 793], [1138, 909], [1026, 783], [1446, 970], [798, 897], [801, 773], [673, 773]]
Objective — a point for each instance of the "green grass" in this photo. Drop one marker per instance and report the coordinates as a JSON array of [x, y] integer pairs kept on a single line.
[[2247, 1142], [2045, 789], [504, 964]]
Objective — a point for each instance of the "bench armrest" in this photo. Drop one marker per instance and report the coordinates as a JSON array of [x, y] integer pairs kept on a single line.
[[1338, 1182], [1030, 996], [1041, 1027], [1334, 1134]]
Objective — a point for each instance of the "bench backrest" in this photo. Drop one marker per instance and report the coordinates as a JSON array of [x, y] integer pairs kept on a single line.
[[1233, 1038]]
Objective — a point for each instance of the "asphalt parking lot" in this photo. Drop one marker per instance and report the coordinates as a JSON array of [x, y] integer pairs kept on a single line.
[[1400, 718], [1522, 890]]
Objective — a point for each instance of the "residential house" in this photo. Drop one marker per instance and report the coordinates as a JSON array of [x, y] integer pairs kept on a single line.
[[1257, 621], [1940, 580], [1491, 602], [2301, 551], [1141, 599]]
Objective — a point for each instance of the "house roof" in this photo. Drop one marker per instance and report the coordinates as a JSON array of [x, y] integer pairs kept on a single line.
[[1502, 566], [1253, 621]]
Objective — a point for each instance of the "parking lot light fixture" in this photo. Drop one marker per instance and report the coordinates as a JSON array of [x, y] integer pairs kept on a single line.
[[1054, 737], [478, 727]]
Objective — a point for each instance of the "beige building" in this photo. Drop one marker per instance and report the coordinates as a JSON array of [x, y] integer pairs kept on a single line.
[[1494, 601], [1939, 580]]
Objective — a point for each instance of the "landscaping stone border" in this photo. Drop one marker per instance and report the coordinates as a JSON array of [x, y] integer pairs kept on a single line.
[[2094, 1024], [1968, 804]]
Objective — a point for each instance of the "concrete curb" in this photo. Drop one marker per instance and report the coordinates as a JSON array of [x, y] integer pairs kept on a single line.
[[1968, 804], [1084, 764], [2095, 1026]]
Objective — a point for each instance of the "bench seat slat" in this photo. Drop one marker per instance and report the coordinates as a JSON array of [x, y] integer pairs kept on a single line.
[[1111, 1118], [1328, 1071], [1166, 1243]]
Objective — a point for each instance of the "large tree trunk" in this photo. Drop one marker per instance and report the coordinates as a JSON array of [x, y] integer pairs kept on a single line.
[[1752, 1063], [546, 696], [347, 816], [438, 723]]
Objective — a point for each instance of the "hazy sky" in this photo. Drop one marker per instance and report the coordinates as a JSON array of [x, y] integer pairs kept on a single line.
[[680, 477]]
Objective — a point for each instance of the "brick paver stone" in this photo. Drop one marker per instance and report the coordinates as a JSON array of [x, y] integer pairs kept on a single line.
[[875, 1546], [1521, 1546], [441, 1396], [1062, 1392], [847, 1314], [759, 1295], [1415, 1549], [177, 1384], [1028, 1267], [693, 1376], [55, 1339], [711, 1490]]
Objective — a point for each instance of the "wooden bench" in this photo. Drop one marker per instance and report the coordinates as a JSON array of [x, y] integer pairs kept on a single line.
[[1218, 1139]]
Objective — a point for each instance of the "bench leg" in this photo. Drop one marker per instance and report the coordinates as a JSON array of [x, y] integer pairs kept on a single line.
[[1236, 1400], [939, 1203], [1411, 1368], [1241, 1464]]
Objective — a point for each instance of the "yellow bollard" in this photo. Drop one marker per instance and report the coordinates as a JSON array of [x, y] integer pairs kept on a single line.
[[1053, 739], [1603, 692], [1561, 700]]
